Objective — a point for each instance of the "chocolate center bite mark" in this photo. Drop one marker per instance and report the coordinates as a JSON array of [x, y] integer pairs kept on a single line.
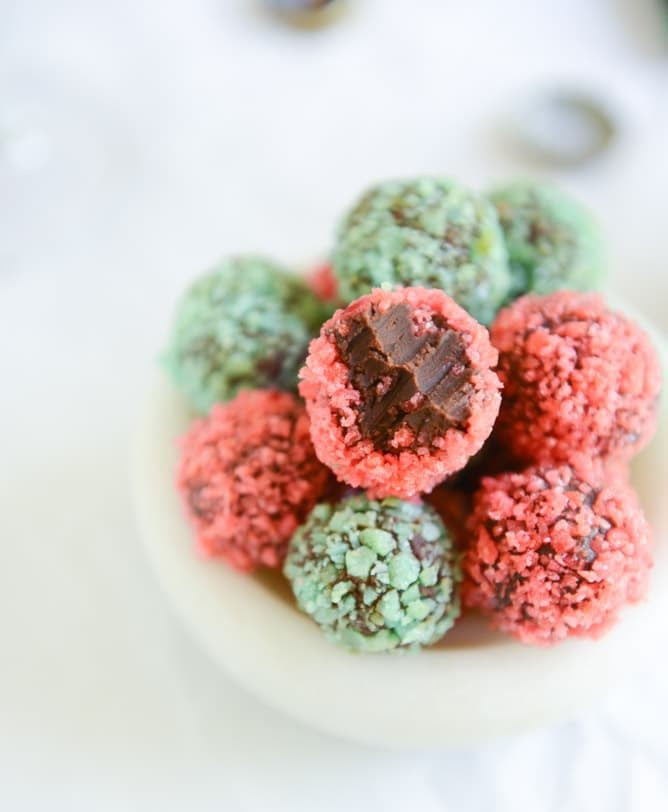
[[419, 382]]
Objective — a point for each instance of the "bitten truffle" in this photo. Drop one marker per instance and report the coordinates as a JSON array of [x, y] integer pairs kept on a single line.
[[249, 476], [400, 390], [553, 242], [577, 378], [375, 575], [555, 553], [429, 232], [244, 325]]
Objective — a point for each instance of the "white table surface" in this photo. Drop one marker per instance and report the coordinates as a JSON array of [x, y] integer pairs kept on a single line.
[[139, 141]]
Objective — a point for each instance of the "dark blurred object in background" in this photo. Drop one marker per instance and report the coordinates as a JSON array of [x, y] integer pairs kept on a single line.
[[562, 127], [307, 13]]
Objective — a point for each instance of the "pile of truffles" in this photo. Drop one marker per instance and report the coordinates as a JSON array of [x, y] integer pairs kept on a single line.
[[437, 420]]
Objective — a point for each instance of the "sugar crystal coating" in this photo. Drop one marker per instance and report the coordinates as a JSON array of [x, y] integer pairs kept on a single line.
[[375, 575], [576, 377], [244, 325], [249, 476], [555, 552], [430, 232], [400, 390], [553, 242]]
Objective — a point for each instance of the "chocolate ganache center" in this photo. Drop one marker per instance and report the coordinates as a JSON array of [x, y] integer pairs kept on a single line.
[[420, 382]]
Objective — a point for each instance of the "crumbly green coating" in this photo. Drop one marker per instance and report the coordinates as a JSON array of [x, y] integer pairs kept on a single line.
[[430, 232], [244, 325], [553, 241], [376, 575]]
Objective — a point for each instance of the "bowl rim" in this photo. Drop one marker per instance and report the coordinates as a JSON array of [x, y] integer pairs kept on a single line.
[[475, 686]]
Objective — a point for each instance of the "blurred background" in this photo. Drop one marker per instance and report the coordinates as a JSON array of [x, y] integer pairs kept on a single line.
[[141, 140]]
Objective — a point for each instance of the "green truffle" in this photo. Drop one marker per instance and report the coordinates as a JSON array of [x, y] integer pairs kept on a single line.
[[244, 325], [430, 232], [553, 242], [375, 575]]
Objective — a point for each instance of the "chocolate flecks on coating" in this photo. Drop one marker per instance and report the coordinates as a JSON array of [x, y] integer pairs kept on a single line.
[[504, 590], [249, 476], [576, 562], [245, 324], [582, 556], [555, 552], [419, 546], [201, 505], [423, 382], [354, 570], [552, 241], [576, 375], [584, 549], [278, 371], [425, 231]]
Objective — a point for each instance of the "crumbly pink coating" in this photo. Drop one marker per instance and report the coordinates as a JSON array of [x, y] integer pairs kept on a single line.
[[249, 476], [576, 376], [555, 552], [331, 403]]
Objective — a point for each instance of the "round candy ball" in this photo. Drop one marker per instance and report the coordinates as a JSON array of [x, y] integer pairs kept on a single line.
[[249, 476], [576, 377], [400, 390], [322, 282], [553, 242], [555, 552], [430, 232], [244, 325], [375, 575]]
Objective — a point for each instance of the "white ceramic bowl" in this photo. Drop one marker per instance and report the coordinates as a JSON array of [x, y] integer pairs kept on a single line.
[[472, 686]]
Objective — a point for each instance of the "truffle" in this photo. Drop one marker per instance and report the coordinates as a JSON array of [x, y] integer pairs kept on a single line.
[[244, 325], [400, 390], [577, 378], [249, 476], [429, 232], [322, 281], [555, 552], [553, 242], [375, 575]]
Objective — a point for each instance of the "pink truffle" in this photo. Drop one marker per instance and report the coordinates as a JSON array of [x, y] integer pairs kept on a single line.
[[555, 552], [322, 281], [576, 376], [249, 476], [400, 390]]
